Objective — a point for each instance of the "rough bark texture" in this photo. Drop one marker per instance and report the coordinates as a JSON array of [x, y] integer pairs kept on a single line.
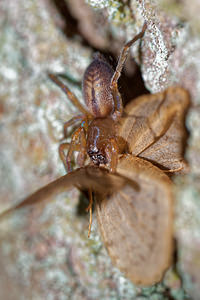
[[45, 253]]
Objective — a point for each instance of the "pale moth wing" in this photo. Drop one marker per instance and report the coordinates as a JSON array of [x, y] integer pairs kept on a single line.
[[136, 223], [153, 127], [89, 177]]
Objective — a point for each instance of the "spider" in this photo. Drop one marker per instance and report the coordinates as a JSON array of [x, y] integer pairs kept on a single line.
[[97, 134]]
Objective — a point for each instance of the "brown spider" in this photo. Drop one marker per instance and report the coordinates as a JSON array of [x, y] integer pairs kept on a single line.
[[97, 134]]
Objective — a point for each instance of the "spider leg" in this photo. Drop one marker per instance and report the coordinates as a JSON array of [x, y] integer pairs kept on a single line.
[[114, 87], [71, 122], [75, 137], [62, 148], [80, 146], [82, 152], [69, 94]]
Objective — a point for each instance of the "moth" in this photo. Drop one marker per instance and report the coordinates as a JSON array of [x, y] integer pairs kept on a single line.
[[130, 150]]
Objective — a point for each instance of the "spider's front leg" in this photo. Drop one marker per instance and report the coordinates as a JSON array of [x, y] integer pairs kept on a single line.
[[78, 143], [72, 122], [118, 107], [70, 95]]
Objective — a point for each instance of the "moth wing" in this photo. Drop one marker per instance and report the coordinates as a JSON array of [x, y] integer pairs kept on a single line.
[[44, 237], [154, 127], [136, 223], [89, 177]]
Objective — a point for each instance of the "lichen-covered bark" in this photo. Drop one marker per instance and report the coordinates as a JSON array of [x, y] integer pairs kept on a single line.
[[44, 251]]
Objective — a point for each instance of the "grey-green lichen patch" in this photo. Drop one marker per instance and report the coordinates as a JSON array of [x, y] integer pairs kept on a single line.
[[118, 12], [111, 4], [116, 9], [184, 10], [186, 62], [193, 152], [12, 62], [189, 221]]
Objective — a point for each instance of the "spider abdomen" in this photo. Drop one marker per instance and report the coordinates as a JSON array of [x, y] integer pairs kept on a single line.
[[96, 87]]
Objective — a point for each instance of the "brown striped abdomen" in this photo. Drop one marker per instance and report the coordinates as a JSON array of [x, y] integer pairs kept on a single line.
[[96, 88]]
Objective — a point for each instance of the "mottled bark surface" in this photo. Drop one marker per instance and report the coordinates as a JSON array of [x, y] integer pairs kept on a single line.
[[44, 251]]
